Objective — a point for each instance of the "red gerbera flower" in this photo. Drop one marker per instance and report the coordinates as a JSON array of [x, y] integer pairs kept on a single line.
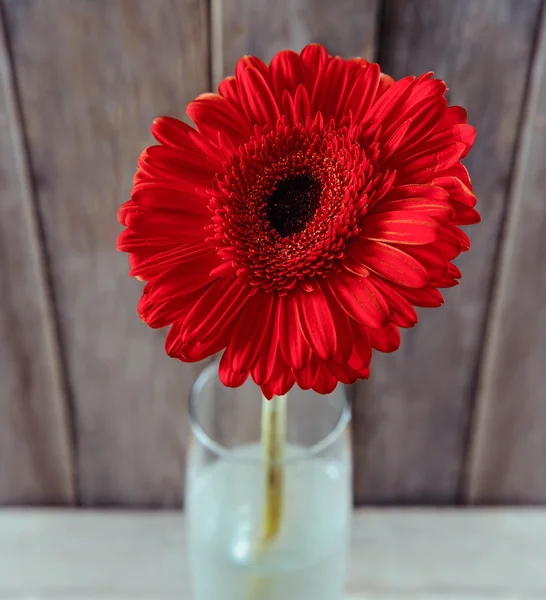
[[315, 205]]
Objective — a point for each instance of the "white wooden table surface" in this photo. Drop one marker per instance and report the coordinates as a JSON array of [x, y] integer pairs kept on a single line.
[[397, 555]]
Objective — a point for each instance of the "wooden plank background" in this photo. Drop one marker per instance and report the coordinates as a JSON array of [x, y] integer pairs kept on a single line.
[[91, 410]]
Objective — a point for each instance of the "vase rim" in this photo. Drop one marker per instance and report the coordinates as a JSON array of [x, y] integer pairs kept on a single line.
[[226, 453]]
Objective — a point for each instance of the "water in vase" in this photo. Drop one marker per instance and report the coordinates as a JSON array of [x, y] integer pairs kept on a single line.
[[307, 559]]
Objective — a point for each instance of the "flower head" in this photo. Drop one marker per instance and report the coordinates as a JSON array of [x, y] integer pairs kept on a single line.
[[317, 202]]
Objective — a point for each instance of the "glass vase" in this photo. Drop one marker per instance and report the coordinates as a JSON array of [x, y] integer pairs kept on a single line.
[[226, 497]]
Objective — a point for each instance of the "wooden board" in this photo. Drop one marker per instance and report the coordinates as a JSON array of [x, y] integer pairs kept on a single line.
[[412, 416], [396, 555], [36, 457], [509, 448], [262, 28], [92, 77]]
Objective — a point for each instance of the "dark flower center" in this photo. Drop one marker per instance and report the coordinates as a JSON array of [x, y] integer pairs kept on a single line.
[[293, 203]]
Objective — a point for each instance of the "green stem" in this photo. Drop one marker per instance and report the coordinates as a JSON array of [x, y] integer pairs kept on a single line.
[[273, 448], [273, 441]]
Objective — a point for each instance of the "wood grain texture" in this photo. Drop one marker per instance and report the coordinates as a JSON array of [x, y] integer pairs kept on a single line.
[[509, 445], [412, 416], [262, 28], [92, 76], [395, 555], [36, 455]]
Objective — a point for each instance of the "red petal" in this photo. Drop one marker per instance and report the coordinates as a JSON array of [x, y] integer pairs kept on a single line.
[[430, 258], [227, 88], [199, 351], [362, 347], [342, 325], [212, 113], [343, 373], [286, 71], [326, 382], [465, 215], [430, 193], [427, 297], [196, 256], [401, 311], [263, 367], [440, 210], [228, 376], [360, 299], [395, 95], [164, 197], [166, 310], [401, 227], [188, 164], [133, 241], [392, 143], [215, 310], [316, 322], [389, 262], [449, 244], [313, 56], [249, 332], [329, 90], [302, 104], [465, 134], [307, 376], [256, 97], [363, 93], [184, 228], [282, 379], [171, 132], [424, 117], [253, 62], [385, 83], [181, 279], [386, 339], [196, 352], [295, 349], [455, 115], [457, 190]]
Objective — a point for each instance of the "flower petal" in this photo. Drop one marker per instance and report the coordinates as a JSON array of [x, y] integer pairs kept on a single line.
[[427, 297], [228, 376], [389, 262], [282, 379], [360, 299], [286, 72], [362, 347], [316, 322], [256, 97], [341, 323], [214, 311], [325, 382], [249, 332], [212, 113], [329, 90], [401, 311], [306, 377], [295, 349], [386, 339], [362, 95], [263, 367], [314, 57], [400, 227], [198, 257], [342, 372]]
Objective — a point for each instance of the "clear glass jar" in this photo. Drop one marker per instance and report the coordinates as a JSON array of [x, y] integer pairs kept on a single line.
[[225, 495]]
